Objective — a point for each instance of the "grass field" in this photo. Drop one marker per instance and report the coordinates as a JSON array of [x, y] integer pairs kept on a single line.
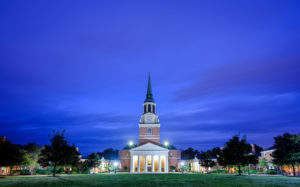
[[149, 180]]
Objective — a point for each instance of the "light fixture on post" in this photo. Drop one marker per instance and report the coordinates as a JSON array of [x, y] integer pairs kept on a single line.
[[115, 166], [130, 143], [166, 143], [182, 166]]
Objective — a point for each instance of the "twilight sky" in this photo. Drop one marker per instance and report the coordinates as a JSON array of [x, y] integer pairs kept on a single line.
[[218, 68]]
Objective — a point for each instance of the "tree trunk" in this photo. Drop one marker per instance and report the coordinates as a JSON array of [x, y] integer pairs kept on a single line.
[[248, 169], [294, 172], [239, 166], [10, 170], [54, 170]]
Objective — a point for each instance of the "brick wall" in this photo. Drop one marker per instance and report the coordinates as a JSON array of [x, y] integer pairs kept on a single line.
[[174, 157], [144, 130], [267, 155], [145, 138], [124, 157]]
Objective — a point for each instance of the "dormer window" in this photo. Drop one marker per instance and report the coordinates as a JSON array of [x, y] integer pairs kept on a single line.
[[149, 131]]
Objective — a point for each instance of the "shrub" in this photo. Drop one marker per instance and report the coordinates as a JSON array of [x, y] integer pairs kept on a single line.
[[219, 171], [74, 172], [61, 171], [86, 172], [253, 172], [25, 172], [172, 168], [16, 172], [42, 172], [272, 172]]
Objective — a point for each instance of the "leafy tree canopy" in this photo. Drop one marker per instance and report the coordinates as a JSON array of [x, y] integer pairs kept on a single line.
[[206, 158], [10, 155], [237, 152], [59, 153], [109, 154], [287, 149], [188, 154]]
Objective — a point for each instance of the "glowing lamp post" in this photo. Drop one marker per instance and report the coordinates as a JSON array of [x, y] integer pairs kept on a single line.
[[166, 143], [115, 166], [130, 143], [182, 166]]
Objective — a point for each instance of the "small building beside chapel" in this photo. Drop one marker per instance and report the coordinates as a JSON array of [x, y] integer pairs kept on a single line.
[[149, 156]]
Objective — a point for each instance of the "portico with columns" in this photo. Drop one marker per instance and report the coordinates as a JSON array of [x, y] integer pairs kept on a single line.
[[149, 158]]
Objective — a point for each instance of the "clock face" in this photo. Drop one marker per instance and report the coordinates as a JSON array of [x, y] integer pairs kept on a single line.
[[149, 118]]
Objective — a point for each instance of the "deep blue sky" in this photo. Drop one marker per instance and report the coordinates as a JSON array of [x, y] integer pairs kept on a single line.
[[218, 68]]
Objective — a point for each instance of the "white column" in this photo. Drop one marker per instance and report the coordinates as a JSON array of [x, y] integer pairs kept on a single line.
[[159, 163], [146, 167], [139, 165], [131, 164], [152, 163], [167, 164]]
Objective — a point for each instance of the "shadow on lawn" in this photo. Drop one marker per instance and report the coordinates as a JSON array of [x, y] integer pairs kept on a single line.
[[60, 178]]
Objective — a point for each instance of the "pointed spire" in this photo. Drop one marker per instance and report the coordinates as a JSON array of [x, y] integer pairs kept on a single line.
[[149, 95], [149, 89]]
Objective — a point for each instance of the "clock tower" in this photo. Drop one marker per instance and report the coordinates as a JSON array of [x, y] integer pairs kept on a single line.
[[149, 122]]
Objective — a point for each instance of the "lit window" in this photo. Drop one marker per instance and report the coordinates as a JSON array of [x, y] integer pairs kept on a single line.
[[149, 132]]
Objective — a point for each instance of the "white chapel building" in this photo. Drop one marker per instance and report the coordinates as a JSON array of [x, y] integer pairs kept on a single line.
[[149, 156]]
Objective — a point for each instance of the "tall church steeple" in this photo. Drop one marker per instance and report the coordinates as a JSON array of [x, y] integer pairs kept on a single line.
[[149, 103], [149, 122], [149, 95]]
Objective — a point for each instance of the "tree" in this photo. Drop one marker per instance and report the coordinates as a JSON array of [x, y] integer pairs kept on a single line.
[[237, 152], [287, 147], [251, 159], [264, 163], [10, 155], [188, 154], [82, 166], [32, 151], [59, 153], [93, 160], [110, 154], [216, 151], [206, 159]]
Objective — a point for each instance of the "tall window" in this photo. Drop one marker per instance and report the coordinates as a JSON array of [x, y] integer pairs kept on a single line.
[[153, 108], [149, 132], [149, 108], [144, 108]]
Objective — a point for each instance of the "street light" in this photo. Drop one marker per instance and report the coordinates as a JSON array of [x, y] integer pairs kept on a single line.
[[182, 166], [130, 143], [166, 143], [115, 166]]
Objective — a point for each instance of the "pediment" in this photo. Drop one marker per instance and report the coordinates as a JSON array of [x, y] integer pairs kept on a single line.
[[149, 147]]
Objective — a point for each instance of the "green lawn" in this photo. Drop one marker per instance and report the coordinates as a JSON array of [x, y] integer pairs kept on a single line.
[[149, 180]]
